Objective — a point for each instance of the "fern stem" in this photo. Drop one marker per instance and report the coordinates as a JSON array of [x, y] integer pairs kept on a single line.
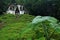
[[46, 31]]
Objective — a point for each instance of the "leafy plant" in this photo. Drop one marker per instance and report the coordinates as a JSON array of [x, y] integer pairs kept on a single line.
[[22, 29], [49, 26], [48, 23]]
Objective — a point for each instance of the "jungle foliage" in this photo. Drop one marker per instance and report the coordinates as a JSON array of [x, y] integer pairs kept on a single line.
[[28, 27], [42, 7], [35, 7]]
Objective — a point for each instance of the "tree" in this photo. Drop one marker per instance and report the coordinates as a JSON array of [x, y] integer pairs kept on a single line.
[[42, 7], [4, 5]]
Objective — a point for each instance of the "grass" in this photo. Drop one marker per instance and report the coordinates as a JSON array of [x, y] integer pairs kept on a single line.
[[13, 26]]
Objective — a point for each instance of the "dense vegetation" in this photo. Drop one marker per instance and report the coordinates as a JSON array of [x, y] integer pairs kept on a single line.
[[27, 27], [35, 7], [11, 27]]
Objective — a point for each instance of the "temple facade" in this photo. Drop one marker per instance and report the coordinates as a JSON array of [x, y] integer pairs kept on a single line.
[[15, 9]]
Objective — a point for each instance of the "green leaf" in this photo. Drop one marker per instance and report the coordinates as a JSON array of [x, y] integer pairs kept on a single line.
[[42, 19], [36, 20], [57, 28], [42, 38]]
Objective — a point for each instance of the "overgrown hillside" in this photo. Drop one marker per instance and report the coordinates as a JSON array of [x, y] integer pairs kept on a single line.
[[12, 26], [27, 27]]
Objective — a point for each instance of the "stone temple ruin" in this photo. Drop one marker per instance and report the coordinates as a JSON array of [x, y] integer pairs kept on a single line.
[[15, 9]]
